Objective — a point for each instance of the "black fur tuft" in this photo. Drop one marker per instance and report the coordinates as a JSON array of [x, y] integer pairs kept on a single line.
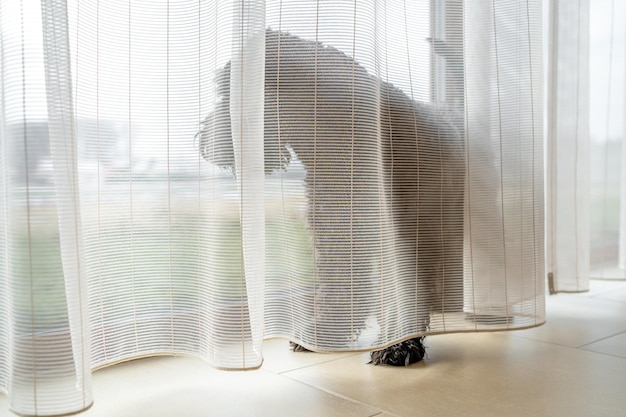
[[402, 354]]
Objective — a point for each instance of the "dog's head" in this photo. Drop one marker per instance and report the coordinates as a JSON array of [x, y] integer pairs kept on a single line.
[[214, 137]]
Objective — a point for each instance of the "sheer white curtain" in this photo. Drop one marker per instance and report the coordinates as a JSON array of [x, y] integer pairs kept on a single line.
[[191, 177], [586, 215], [607, 80], [568, 165]]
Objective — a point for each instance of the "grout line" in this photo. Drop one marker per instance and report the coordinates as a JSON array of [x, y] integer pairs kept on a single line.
[[343, 397], [605, 354], [347, 355], [600, 340], [387, 413], [545, 342], [579, 348]]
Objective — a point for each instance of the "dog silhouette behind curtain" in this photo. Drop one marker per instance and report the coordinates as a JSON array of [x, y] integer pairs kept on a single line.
[[385, 179]]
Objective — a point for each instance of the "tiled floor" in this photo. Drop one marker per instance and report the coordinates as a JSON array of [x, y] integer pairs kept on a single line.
[[575, 365]]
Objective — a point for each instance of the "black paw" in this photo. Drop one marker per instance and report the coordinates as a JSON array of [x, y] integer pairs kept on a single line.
[[402, 354]]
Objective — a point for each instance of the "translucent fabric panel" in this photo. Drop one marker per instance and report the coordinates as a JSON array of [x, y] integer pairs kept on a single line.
[[368, 181], [188, 177], [607, 39], [173, 243], [247, 123], [120, 240], [568, 149], [47, 355], [504, 228]]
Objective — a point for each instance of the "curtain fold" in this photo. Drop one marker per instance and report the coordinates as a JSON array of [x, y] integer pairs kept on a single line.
[[184, 177], [504, 193], [585, 214], [608, 226], [246, 112], [47, 354], [63, 152], [568, 169]]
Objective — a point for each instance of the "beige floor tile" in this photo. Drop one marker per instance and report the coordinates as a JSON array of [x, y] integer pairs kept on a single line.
[[386, 415], [278, 357], [577, 320], [615, 345], [615, 293], [483, 375], [165, 387]]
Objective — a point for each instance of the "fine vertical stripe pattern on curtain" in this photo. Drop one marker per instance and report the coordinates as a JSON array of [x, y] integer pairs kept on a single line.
[[184, 177], [47, 354], [504, 252], [607, 134], [568, 147]]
